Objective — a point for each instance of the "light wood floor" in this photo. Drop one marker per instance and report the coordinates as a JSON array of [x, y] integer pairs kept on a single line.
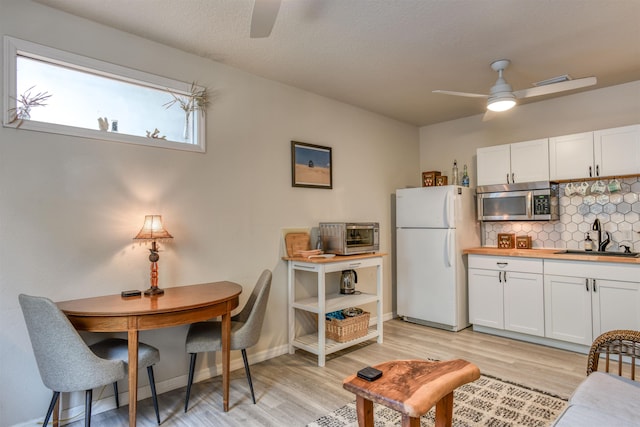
[[291, 390]]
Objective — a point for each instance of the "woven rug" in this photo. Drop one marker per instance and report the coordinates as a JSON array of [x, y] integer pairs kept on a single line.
[[485, 402]]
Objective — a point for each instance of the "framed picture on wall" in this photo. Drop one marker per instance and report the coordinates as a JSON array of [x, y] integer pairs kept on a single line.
[[311, 165]]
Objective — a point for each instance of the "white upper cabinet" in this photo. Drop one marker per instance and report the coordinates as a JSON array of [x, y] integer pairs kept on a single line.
[[514, 163], [571, 156], [617, 150], [607, 152], [494, 164], [530, 161]]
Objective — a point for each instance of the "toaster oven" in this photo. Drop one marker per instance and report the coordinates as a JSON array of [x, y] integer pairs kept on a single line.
[[350, 238]]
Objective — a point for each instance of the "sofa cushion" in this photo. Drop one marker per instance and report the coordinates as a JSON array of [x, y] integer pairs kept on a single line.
[[582, 416], [609, 394]]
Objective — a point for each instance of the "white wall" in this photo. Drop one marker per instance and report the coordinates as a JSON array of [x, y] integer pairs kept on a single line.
[[69, 207], [603, 108]]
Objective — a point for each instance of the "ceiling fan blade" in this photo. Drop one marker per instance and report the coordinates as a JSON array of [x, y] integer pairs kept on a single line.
[[470, 95], [264, 16], [555, 87], [489, 115]]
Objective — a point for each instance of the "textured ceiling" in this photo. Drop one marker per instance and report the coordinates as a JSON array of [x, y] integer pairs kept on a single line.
[[387, 56]]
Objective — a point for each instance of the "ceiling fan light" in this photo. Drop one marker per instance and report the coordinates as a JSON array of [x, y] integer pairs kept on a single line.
[[501, 103]]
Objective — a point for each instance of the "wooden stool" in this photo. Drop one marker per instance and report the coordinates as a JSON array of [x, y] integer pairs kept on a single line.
[[412, 387]]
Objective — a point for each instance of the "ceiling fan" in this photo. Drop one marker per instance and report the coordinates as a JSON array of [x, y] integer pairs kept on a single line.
[[502, 97], [263, 17]]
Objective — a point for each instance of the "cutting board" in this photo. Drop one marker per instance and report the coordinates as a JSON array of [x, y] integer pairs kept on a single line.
[[296, 242]]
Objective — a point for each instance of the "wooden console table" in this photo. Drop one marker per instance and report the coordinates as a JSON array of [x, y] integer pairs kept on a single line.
[[323, 303], [177, 306]]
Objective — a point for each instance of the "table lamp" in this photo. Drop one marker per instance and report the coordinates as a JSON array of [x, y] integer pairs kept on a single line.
[[152, 231]]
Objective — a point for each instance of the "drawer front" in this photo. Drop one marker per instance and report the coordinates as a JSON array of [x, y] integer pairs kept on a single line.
[[506, 263], [594, 270]]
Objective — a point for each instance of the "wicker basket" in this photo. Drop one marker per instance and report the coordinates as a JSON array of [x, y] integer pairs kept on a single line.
[[347, 329]]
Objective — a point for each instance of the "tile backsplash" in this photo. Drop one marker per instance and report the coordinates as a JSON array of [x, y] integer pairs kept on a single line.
[[618, 212]]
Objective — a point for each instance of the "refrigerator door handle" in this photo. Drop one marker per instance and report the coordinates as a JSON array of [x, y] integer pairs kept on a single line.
[[448, 208], [449, 247]]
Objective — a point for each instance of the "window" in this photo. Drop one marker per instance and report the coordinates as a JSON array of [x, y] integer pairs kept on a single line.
[[49, 90]]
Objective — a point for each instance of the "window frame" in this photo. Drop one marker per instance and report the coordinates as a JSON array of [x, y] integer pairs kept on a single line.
[[14, 47]]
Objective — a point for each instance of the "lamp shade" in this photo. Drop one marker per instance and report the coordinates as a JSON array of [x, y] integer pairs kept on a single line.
[[153, 229]]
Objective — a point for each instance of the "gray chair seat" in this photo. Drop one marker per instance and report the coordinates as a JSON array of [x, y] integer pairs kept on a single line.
[[118, 349], [245, 332], [207, 336]]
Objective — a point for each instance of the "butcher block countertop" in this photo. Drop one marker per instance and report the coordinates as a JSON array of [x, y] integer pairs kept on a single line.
[[548, 254], [337, 258]]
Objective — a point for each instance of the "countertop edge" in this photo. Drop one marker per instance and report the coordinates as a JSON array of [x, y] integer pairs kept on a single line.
[[547, 254]]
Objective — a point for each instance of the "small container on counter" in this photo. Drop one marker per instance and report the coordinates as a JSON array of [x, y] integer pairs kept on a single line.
[[588, 243]]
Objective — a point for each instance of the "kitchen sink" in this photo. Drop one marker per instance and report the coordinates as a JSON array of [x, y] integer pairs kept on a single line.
[[600, 253]]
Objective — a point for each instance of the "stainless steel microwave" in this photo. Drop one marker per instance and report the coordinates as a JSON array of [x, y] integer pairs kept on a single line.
[[350, 238], [527, 201]]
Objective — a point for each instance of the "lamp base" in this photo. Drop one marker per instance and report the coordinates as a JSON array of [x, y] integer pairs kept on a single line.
[[154, 291]]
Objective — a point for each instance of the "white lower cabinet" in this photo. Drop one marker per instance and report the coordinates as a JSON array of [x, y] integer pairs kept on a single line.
[[486, 302], [524, 303], [578, 308], [567, 309], [506, 293], [555, 302]]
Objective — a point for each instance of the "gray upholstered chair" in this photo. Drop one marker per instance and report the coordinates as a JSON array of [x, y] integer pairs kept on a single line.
[[245, 331], [117, 349], [65, 362]]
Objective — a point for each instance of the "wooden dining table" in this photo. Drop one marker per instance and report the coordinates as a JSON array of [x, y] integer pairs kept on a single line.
[[177, 306]]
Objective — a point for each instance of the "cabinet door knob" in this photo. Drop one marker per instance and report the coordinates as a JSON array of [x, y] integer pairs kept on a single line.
[[590, 174], [513, 178], [586, 284], [594, 285]]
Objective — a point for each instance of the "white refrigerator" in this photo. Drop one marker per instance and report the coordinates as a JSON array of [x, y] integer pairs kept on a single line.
[[434, 225]]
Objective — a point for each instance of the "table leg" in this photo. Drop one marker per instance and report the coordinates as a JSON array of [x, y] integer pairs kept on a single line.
[[226, 346], [444, 411], [56, 412], [133, 376], [408, 421], [364, 409]]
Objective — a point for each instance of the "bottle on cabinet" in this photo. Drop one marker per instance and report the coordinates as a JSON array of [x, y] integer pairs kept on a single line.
[[465, 177], [455, 180]]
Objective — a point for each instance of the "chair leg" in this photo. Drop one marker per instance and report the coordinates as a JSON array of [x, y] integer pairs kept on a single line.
[[54, 399], [115, 394], [192, 368], [152, 384], [248, 372], [87, 407]]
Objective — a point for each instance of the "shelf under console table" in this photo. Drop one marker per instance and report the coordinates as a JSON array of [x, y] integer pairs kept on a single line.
[[317, 343]]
